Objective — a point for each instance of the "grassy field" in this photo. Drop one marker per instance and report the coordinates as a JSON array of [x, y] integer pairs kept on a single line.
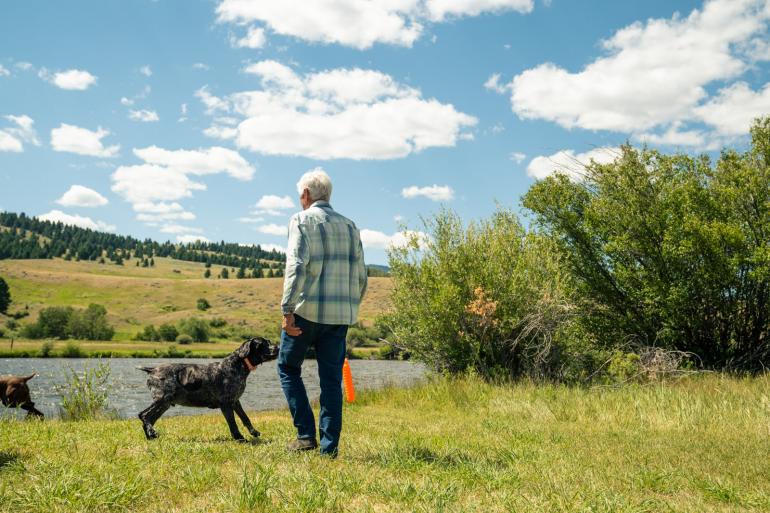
[[136, 296], [700, 445]]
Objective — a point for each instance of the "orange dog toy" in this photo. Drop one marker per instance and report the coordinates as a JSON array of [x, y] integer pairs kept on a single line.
[[347, 380]]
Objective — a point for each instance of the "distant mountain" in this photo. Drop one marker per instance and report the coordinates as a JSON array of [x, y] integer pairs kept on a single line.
[[24, 237], [377, 270]]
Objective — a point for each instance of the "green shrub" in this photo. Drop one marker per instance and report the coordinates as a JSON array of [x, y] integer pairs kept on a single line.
[[46, 348], [487, 297], [217, 322], [167, 332], [84, 397], [2, 332], [32, 330], [12, 324], [90, 324], [197, 329], [52, 322], [72, 350], [148, 334], [184, 339], [203, 304]]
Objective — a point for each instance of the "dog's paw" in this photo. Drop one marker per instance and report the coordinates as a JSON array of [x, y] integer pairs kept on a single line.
[[255, 433]]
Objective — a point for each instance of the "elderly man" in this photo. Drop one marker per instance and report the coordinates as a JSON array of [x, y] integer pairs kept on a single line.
[[324, 283]]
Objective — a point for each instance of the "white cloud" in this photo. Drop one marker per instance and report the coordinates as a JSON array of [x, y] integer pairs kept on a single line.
[[4, 71], [493, 84], [148, 183], [190, 238], [212, 103], [82, 141], [199, 162], [442, 9], [376, 239], [251, 220], [255, 38], [126, 102], [146, 71], [733, 109], [12, 138], [143, 115], [72, 80], [273, 205], [355, 23], [432, 192], [24, 66], [79, 196], [518, 157], [654, 73], [75, 220], [10, 143], [674, 136], [273, 229], [569, 163], [201, 66], [341, 113]]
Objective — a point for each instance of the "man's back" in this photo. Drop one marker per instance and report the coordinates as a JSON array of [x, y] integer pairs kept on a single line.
[[325, 271]]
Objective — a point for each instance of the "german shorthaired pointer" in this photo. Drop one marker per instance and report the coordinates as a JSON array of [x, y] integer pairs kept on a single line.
[[216, 385], [14, 393]]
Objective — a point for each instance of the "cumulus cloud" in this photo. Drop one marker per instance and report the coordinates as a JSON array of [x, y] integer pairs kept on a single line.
[[354, 23], [734, 108], [255, 38], [653, 73], [4, 71], [143, 115], [518, 157], [72, 80], [201, 66], [73, 139], [75, 220], [80, 196], [199, 162], [146, 71], [570, 163], [340, 113], [273, 205], [273, 229], [377, 239], [432, 192], [12, 138]]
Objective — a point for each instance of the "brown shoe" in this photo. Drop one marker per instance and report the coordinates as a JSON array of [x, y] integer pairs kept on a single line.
[[302, 444]]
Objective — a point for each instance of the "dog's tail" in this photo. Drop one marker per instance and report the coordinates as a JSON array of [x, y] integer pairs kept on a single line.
[[29, 377], [146, 369]]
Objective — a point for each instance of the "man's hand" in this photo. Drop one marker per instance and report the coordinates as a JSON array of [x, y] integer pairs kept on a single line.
[[289, 327]]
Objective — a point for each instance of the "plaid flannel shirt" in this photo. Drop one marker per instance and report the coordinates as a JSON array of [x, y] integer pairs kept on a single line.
[[325, 277]]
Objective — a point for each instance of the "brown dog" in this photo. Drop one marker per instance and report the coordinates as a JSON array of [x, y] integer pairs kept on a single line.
[[14, 393]]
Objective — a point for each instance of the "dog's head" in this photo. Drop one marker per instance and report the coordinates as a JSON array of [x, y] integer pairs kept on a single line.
[[257, 350]]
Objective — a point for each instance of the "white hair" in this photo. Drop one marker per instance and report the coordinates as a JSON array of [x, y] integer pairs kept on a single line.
[[318, 183]]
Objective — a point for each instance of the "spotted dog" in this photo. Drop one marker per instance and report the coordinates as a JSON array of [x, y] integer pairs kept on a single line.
[[216, 385], [14, 393]]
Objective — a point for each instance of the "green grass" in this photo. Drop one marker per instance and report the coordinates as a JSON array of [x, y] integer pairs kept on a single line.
[[136, 296], [694, 446]]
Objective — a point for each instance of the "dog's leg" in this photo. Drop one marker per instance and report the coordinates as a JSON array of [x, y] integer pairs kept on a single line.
[[31, 410], [227, 411], [150, 415], [238, 409]]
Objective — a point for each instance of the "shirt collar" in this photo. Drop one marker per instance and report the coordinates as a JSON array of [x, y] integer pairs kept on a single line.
[[321, 204]]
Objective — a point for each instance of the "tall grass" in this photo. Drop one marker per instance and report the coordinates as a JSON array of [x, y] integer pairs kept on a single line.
[[84, 396]]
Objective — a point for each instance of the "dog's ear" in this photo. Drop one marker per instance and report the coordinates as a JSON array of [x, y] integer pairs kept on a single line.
[[245, 349]]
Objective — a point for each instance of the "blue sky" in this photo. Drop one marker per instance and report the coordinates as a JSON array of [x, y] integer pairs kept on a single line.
[[178, 119]]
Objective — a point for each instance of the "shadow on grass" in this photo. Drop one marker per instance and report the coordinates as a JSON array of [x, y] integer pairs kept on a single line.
[[8, 458]]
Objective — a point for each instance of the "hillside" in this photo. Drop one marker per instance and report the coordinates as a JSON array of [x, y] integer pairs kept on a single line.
[[137, 296]]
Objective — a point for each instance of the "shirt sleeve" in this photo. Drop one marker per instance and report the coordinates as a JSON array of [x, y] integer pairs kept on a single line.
[[297, 256], [362, 277]]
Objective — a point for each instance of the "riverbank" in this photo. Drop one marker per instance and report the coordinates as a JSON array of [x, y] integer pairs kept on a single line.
[[693, 446], [25, 348]]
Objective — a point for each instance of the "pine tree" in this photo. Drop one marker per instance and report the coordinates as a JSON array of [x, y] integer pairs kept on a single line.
[[225, 274], [207, 274], [5, 296], [241, 273]]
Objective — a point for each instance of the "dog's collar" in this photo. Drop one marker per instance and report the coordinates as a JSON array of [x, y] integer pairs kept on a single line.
[[250, 366]]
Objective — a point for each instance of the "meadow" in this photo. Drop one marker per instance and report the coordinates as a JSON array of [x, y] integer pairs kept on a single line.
[[696, 445], [166, 293]]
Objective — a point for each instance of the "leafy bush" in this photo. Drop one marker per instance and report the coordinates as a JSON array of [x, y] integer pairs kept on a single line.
[[52, 322], [487, 297], [46, 348], [167, 332], [90, 324], [669, 250], [5, 296], [197, 329], [217, 322], [184, 339], [148, 334], [72, 350], [84, 396], [203, 304], [11, 324]]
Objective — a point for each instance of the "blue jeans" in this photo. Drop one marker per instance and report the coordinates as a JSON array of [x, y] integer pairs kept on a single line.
[[329, 343]]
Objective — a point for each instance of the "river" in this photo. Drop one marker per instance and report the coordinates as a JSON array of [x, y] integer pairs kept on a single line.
[[128, 393]]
